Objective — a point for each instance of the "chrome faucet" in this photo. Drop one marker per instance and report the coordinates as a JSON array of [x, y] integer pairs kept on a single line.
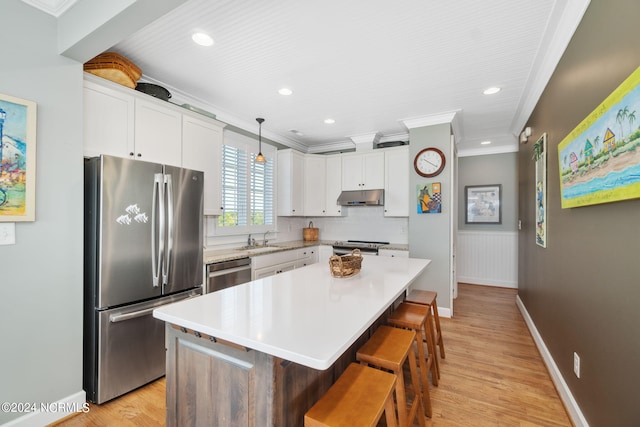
[[264, 238], [251, 242]]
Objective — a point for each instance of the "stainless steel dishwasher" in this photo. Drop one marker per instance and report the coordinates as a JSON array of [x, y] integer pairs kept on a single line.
[[225, 274]]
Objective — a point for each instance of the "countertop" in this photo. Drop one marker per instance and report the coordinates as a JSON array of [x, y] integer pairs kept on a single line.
[[218, 255], [304, 315]]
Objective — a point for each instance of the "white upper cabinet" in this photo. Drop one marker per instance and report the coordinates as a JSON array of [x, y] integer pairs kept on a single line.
[[158, 132], [363, 171], [315, 183], [201, 150], [396, 182], [108, 121], [290, 183], [333, 184]]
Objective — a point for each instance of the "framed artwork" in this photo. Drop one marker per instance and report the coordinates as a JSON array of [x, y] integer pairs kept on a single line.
[[483, 204], [599, 161], [540, 157], [17, 159], [429, 198]]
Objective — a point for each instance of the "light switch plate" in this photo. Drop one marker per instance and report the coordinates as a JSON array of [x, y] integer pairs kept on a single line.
[[7, 233]]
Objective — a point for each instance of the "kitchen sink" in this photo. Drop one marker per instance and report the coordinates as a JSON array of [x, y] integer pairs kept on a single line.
[[257, 250]]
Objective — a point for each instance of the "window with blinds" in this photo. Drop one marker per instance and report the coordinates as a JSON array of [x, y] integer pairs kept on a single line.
[[247, 187]]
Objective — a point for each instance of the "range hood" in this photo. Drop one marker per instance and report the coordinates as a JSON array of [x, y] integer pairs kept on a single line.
[[361, 198]]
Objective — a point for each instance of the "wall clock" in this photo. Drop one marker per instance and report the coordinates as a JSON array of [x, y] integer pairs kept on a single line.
[[429, 162]]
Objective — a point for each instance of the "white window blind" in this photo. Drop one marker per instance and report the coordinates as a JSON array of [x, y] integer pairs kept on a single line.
[[247, 187]]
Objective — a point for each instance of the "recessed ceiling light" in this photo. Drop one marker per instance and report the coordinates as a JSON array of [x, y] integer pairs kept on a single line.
[[285, 91], [329, 121], [202, 39], [296, 132], [485, 142], [491, 90]]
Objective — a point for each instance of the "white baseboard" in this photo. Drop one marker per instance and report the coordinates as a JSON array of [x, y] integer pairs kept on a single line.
[[488, 282], [444, 311], [565, 394], [52, 412]]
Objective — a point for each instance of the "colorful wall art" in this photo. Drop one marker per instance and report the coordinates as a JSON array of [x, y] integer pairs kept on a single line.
[[429, 198], [17, 159], [540, 157], [599, 161]]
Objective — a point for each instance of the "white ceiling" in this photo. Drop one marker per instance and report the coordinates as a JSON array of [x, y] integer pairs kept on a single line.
[[368, 64]]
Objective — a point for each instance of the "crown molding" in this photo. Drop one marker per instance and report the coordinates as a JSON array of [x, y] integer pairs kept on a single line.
[[52, 7], [430, 120], [568, 16]]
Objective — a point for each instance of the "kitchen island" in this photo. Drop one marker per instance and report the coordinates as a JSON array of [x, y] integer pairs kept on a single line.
[[262, 353]]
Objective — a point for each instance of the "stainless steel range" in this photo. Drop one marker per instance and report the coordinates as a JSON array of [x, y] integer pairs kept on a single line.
[[366, 247]]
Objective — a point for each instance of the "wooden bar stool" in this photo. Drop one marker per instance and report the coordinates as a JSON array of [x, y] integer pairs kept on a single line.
[[389, 348], [418, 296], [358, 398], [416, 318]]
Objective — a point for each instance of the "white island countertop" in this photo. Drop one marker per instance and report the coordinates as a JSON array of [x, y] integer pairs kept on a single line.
[[305, 315]]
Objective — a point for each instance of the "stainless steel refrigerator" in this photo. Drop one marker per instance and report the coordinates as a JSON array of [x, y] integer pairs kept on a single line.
[[143, 249]]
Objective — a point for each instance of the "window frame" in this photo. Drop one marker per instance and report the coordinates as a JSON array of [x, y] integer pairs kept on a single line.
[[250, 146]]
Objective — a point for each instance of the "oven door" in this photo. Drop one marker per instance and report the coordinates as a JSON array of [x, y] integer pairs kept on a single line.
[[344, 250]]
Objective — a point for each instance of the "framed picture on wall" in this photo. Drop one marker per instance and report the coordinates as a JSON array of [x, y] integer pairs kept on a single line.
[[17, 159], [483, 204]]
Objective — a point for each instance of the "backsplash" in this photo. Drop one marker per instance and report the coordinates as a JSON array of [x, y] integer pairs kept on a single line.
[[360, 223]]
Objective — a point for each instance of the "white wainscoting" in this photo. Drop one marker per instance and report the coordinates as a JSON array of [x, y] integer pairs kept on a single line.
[[488, 258]]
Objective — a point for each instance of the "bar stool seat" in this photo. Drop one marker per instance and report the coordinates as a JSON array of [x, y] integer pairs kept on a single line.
[[357, 398], [417, 317], [390, 348], [418, 296]]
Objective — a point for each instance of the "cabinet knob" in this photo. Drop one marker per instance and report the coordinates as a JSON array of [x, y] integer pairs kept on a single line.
[[131, 154], [139, 154]]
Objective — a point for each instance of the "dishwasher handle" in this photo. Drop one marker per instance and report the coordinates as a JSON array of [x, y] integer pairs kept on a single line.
[[217, 273]]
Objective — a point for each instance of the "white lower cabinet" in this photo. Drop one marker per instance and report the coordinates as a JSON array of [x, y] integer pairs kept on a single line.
[[279, 262]]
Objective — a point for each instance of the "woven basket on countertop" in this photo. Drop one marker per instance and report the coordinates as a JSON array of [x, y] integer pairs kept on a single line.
[[115, 67], [310, 233], [346, 265]]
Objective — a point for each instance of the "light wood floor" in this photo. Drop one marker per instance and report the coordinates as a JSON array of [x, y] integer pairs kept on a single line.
[[493, 374]]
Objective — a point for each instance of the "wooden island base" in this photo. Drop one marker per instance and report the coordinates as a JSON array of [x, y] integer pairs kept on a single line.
[[215, 383]]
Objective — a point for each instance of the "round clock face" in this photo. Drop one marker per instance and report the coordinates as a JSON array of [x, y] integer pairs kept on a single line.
[[429, 162]]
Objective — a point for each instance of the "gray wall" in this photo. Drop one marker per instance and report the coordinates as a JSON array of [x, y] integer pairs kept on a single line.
[[41, 275], [490, 169], [429, 234], [583, 290]]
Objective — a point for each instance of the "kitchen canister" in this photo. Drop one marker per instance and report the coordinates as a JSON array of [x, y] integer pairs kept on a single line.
[[310, 233]]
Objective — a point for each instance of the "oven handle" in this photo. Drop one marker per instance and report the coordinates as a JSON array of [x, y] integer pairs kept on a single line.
[[341, 251]]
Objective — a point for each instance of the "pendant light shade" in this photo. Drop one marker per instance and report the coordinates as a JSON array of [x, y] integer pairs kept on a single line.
[[260, 158]]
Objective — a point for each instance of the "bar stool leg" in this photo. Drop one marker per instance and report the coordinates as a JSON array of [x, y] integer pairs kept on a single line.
[[425, 365], [436, 317], [429, 332]]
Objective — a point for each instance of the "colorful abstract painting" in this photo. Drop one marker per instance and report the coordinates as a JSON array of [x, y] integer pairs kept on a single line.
[[17, 159], [599, 161], [429, 198]]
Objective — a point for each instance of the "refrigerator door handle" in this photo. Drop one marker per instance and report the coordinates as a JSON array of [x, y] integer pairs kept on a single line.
[[170, 230], [115, 318], [157, 228]]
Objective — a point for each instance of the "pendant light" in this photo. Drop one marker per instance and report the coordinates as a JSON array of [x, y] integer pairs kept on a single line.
[[260, 158]]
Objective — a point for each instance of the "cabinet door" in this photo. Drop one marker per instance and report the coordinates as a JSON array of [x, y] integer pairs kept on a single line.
[[373, 171], [108, 121], [201, 150], [314, 185], [352, 172], [158, 133], [290, 183], [396, 184], [333, 185]]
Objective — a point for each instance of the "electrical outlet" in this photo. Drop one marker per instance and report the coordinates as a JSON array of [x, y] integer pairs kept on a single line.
[[576, 364]]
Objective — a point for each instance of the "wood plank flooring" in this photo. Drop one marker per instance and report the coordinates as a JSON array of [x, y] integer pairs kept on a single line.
[[493, 374]]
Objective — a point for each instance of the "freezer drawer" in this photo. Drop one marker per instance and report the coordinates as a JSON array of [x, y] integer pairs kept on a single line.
[[130, 349]]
